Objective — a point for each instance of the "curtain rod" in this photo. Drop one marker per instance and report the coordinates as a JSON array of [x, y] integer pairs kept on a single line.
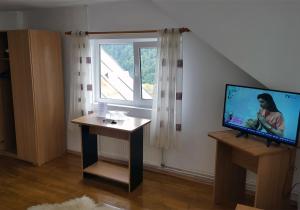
[[181, 30]]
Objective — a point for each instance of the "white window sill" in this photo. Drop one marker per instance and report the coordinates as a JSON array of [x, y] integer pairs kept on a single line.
[[133, 111]]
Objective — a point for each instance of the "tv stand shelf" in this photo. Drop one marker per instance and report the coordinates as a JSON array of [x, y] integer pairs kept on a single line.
[[273, 166], [110, 171]]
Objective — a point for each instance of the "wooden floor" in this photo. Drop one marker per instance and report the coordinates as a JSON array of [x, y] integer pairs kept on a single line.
[[23, 185]]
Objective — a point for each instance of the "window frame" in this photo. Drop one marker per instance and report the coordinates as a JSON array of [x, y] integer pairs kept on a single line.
[[138, 43]]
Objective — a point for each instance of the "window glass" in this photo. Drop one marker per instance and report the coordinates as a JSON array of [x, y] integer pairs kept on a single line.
[[148, 60], [117, 71]]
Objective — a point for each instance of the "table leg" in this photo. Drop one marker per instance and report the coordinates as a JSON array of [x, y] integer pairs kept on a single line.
[[89, 147], [136, 158], [230, 179]]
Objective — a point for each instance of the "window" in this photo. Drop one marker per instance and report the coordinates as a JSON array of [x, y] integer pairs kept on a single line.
[[124, 70]]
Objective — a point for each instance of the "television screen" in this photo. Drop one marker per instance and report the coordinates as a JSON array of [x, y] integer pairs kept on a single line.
[[266, 113]]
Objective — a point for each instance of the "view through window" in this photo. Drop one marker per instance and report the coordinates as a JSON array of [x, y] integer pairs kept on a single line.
[[148, 57], [126, 70], [117, 71]]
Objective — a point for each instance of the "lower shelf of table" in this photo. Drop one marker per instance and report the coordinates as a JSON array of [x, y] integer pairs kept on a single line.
[[109, 170]]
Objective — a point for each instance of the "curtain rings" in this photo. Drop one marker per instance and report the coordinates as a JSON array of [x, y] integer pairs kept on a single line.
[[79, 33]]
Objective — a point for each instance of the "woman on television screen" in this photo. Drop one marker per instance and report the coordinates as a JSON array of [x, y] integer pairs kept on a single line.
[[269, 117]]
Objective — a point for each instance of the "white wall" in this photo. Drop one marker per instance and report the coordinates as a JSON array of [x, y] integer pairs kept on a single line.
[[261, 37], [202, 65], [58, 19], [203, 88], [75, 18], [11, 20], [127, 16], [205, 73], [117, 16]]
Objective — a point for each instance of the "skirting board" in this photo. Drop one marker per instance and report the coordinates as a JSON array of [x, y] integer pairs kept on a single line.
[[179, 173], [182, 174]]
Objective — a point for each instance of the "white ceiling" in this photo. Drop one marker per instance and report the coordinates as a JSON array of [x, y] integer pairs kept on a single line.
[[28, 4]]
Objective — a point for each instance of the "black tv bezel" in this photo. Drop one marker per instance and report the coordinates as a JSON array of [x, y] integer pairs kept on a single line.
[[254, 133]]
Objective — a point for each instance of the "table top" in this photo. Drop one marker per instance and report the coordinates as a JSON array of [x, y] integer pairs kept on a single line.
[[252, 145], [129, 124]]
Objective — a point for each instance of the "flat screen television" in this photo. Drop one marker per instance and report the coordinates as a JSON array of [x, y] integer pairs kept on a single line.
[[271, 114]]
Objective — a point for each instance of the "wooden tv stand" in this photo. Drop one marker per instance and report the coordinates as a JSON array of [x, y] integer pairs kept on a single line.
[[273, 166]]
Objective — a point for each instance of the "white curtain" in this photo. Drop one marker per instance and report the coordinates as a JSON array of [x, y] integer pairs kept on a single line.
[[81, 77], [166, 109]]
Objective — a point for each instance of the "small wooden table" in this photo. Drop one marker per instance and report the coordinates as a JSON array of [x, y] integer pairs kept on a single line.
[[273, 166], [130, 129]]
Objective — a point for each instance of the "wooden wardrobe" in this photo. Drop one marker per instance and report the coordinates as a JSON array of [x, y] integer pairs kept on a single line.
[[34, 72]]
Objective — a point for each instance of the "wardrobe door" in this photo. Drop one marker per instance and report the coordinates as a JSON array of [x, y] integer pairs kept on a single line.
[[48, 91], [7, 128], [21, 78]]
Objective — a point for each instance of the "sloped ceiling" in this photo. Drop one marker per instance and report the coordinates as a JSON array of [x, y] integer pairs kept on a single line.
[[261, 37]]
